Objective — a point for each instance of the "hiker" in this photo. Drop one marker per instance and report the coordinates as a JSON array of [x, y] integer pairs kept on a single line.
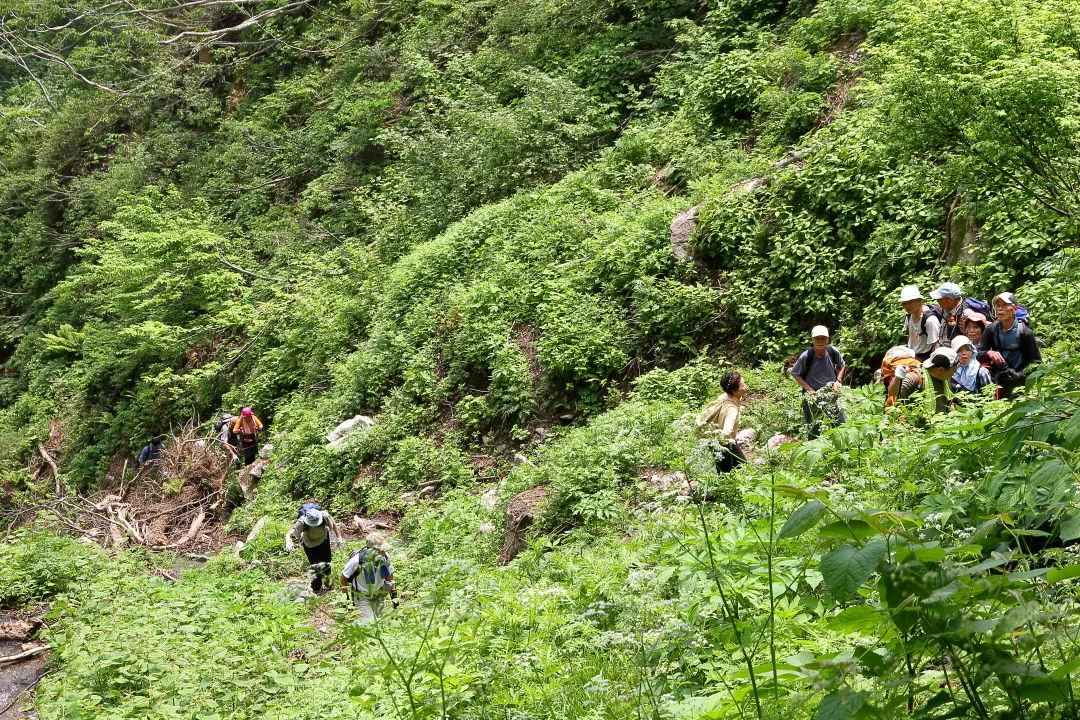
[[820, 372], [223, 433], [923, 323], [953, 306], [970, 376], [368, 577], [719, 421], [901, 373], [246, 428], [1008, 346], [940, 367], [314, 530], [151, 453], [973, 324]]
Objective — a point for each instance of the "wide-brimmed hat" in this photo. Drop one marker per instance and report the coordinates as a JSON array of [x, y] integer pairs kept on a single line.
[[910, 292], [962, 341], [376, 541]]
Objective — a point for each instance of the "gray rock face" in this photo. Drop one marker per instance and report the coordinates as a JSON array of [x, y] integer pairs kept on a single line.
[[682, 231]]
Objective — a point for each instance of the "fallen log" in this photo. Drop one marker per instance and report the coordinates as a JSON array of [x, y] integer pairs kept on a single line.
[[193, 530], [52, 464], [25, 655]]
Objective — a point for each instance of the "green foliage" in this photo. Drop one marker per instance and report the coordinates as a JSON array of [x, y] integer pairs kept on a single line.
[[38, 565]]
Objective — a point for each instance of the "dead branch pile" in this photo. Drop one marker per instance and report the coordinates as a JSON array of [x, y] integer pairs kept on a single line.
[[166, 507]]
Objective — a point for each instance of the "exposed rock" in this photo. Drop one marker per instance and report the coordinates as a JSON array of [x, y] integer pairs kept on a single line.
[[520, 515], [337, 437], [795, 157], [666, 481], [682, 231], [18, 630], [486, 529], [746, 437], [777, 440]]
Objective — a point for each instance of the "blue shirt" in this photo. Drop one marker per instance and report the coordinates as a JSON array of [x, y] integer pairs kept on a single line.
[[822, 372], [1008, 344], [971, 377]]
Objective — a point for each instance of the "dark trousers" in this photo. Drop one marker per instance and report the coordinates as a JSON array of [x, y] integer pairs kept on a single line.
[[941, 403], [319, 560], [249, 451], [814, 423], [730, 457]]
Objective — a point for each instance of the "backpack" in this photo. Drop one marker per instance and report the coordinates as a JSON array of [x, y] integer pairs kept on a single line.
[[830, 350], [361, 563], [1022, 315], [980, 306], [934, 310], [307, 506]]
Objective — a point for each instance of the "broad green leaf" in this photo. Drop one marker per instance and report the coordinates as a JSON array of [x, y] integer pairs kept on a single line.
[[1069, 528], [846, 568], [852, 529], [802, 519], [1066, 573], [855, 619], [840, 705], [1043, 689], [1067, 669]]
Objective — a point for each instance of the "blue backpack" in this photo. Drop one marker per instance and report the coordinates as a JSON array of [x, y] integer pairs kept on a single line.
[[980, 306]]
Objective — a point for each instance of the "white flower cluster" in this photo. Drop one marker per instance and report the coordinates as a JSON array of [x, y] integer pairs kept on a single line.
[[640, 580]]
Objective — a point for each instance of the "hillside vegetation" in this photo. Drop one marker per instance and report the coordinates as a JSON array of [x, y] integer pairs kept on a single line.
[[456, 217]]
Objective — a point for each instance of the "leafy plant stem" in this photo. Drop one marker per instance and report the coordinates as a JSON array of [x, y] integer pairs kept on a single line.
[[731, 610]]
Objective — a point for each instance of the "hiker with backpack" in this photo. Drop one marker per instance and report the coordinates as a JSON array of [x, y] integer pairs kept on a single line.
[[315, 530], [940, 368], [368, 577], [151, 453], [718, 422], [820, 371], [246, 428], [223, 434], [953, 304], [901, 374], [923, 323], [973, 325], [1008, 345]]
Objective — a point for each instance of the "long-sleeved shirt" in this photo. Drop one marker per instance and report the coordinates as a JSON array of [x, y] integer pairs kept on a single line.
[[722, 413], [312, 535], [1016, 345]]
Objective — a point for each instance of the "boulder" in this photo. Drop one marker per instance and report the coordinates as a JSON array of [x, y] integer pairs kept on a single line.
[[336, 438], [777, 440], [682, 231]]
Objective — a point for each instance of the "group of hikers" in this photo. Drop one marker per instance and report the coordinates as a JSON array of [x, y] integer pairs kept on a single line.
[[368, 574], [952, 346], [238, 434]]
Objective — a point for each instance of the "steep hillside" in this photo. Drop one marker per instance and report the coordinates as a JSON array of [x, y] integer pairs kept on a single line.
[[526, 238]]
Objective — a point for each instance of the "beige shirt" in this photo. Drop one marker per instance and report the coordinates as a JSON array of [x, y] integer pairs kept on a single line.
[[311, 537], [721, 415]]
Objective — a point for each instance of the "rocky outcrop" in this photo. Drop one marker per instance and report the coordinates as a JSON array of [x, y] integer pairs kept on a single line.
[[520, 515]]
